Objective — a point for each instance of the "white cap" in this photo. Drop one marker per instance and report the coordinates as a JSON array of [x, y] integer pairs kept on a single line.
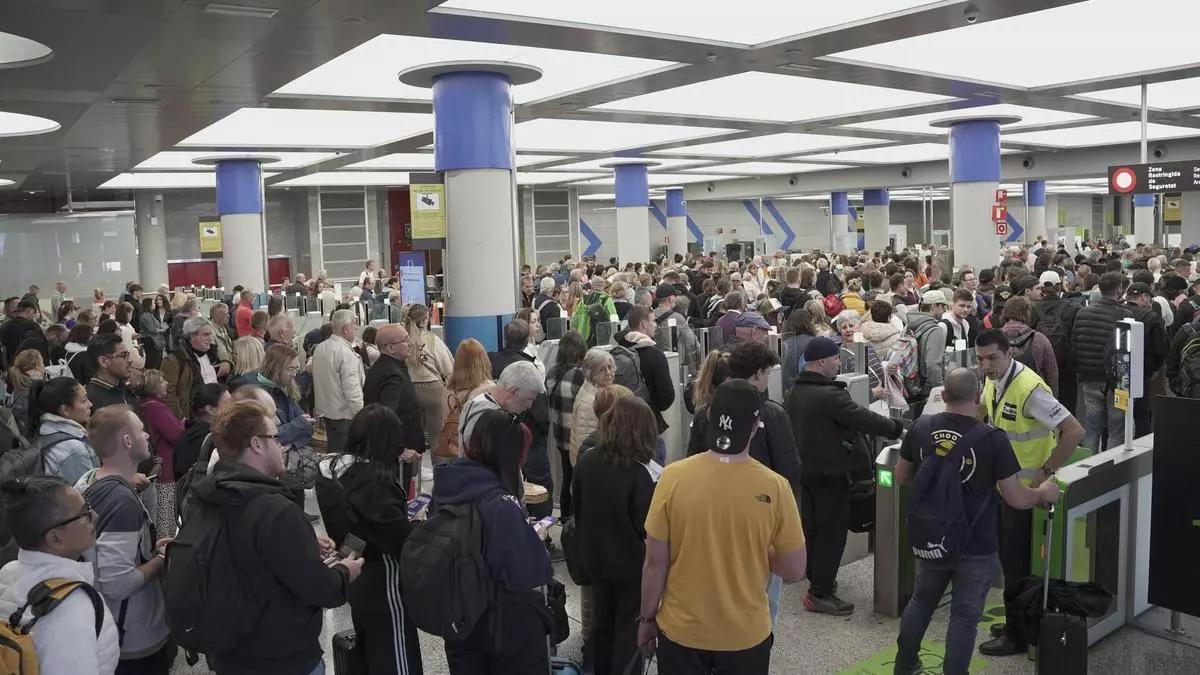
[[1049, 277]]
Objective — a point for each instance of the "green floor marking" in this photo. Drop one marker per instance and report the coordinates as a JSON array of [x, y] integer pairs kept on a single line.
[[932, 655], [992, 615]]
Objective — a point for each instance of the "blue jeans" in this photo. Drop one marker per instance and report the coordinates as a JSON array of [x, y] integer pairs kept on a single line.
[[320, 669], [1101, 414], [972, 576]]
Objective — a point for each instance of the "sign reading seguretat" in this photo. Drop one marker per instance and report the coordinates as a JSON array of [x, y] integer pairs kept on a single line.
[[1154, 177]]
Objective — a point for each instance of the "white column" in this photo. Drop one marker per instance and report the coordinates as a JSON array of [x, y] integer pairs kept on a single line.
[[1143, 219], [876, 218], [151, 232], [677, 232], [1190, 227], [633, 234]]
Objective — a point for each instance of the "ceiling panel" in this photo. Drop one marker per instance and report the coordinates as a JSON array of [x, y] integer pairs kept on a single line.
[[285, 127], [547, 177], [179, 161], [756, 20], [779, 98], [771, 168], [371, 70], [920, 123], [1081, 41], [599, 164], [569, 136], [915, 152], [423, 161], [1183, 93], [1100, 134], [347, 179], [147, 180], [664, 179], [772, 144]]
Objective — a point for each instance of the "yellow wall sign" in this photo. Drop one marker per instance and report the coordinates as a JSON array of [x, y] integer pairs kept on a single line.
[[428, 210], [1172, 208], [210, 238]]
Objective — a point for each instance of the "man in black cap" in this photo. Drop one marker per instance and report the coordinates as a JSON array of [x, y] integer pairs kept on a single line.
[[723, 522], [1054, 317], [748, 327], [1138, 300], [665, 317], [829, 428]]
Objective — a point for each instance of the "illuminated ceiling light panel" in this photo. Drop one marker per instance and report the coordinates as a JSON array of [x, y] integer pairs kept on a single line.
[[915, 152], [770, 168], [423, 161], [17, 51], [803, 198], [772, 144], [371, 70], [756, 20], [552, 135], [1038, 59], [1100, 134], [347, 179], [1161, 95], [547, 177], [182, 161], [16, 124], [919, 124], [598, 197], [665, 179], [599, 164], [1078, 181], [152, 181], [7, 182], [775, 98], [288, 127]]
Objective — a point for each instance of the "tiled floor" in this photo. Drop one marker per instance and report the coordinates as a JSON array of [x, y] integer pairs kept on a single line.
[[809, 643]]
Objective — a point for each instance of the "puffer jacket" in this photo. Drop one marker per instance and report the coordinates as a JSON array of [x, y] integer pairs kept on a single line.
[[65, 639], [583, 418], [1093, 330], [69, 459], [855, 302], [882, 336]]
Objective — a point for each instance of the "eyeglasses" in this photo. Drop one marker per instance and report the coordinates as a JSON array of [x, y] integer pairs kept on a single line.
[[274, 437], [121, 355], [87, 512]]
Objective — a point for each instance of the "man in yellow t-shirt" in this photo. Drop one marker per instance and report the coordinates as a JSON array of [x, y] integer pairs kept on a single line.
[[719, 525]]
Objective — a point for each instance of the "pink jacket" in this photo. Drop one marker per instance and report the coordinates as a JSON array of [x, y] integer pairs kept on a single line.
[[1043, 352], [165, 430]]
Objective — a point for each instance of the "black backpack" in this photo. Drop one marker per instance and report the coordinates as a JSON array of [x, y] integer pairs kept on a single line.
[[937, 522], [198, 470], [1022, 350], [209, 609], [445, 581], [1189, 363], [1051, 325], [629, 371], [596, 314]]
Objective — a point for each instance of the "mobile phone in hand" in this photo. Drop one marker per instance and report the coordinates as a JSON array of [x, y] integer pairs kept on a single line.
[[351, 546]]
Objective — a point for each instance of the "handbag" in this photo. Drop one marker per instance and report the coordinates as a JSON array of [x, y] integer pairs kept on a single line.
[[447, 445], [570, 545]]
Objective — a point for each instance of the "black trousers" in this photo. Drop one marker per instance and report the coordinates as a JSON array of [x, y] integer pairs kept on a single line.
[[825, 509], [566, 507], [615, 610], [158, 663], [675, 659], [381, 629], [522, 646], [1016, 548]]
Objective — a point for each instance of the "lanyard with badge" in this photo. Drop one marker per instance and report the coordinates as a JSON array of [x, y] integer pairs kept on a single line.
[[1000, 391]]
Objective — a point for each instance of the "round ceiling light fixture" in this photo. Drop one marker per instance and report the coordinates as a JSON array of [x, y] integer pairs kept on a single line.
[[17, 124], [18, 52], [7, 182]]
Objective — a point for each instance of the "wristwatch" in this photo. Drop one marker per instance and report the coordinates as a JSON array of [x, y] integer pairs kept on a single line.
[[1047, 470], [161, 555], [646, 619]]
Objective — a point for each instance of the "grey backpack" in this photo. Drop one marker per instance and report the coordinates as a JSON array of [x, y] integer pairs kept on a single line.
[[629, 371]]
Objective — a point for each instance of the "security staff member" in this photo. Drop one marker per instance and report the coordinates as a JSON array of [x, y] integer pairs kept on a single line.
[[1017, 400]]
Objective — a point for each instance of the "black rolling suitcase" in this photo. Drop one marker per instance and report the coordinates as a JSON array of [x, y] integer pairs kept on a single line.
[[1062, 638], [348, 656]]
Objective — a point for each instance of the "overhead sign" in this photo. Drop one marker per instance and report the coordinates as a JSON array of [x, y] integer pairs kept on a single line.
[[1154, 177], [427, 206], [210, 238]]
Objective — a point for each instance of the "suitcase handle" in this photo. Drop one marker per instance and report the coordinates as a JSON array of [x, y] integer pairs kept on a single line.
[[1046, 565]]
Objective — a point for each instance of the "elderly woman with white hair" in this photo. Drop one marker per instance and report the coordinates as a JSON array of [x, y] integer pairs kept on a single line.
[[599, 370], [195, 363], [847, 323]]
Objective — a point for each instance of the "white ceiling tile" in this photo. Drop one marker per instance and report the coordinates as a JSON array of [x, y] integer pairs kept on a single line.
[[17, 124], [772, 144], [598, 164], [1100, 134], [178, 161], [771, 168], [568, 136], [920, 123], [290, 127], [915, 152], [1161, 95], [347, 179]]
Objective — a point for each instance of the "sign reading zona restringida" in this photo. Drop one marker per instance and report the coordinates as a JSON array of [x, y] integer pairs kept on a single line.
[[1154, 177]]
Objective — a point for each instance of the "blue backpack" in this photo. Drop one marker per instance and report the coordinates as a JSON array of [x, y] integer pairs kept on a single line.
[[937, 523]]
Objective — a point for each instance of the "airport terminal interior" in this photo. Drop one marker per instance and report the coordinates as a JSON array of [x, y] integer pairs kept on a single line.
[[202, 145]]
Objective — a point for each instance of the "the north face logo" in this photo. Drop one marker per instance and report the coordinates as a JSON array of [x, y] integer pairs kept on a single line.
[[725, 422]]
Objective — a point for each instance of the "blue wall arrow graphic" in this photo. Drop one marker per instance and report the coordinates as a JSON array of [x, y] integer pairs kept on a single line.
[[593, 241], [1014, 229], [788, 235], [766, 229], [658, 215], [695, 230]]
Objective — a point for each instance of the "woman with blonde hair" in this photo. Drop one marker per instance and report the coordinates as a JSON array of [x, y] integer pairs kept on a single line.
[[165, 431], [26, 368], [280, 364], [472, 375], [713, 371], [598, 371], [574, 296], [430, 364], [178, 300], [248, 356], [820, 320]]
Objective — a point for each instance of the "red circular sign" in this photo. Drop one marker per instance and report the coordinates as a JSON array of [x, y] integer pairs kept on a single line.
[[1124, 180]]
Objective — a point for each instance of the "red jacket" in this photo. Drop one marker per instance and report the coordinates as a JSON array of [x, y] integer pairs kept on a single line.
[[165, 430], [244, 312]]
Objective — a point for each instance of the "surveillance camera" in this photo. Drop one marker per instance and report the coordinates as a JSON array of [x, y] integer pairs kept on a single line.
[[971, 13], [791, 180], [1027, 162], [1159, 152], [710, 187], [905, 172]]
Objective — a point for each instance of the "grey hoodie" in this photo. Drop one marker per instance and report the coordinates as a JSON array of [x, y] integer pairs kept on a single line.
[[67, 459], [932, 351]]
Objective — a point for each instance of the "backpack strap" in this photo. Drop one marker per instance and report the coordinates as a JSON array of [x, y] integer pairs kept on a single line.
[[51, 593]]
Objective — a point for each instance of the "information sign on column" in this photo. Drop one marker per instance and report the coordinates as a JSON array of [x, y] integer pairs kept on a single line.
[[427, 206], [210, 237]]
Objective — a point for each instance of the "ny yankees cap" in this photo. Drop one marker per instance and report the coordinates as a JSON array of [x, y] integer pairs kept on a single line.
[[732, 416]]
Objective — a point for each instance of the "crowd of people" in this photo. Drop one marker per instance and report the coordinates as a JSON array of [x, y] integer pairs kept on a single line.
[[133, 428]]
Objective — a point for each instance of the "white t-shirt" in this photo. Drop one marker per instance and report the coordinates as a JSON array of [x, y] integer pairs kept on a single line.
[[207, 372], [1041, 404]]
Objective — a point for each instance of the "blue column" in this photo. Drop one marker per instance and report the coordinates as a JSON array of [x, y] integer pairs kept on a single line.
[[974, 178], [1035, 201], [473, 145], [677, 231], [633, 212], [240, 206], [877, 217]]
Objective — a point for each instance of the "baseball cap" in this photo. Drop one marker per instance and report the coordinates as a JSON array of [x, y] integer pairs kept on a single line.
[[751, 320], [1049, 277], [732, 416], [664, 291], [1002, 293], [934, 297], [820, 348], [1138, 288], [1023, 284]]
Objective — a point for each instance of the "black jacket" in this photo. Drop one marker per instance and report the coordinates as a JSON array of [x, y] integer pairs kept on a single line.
[[505, 358], [1055, 306], [829, 428], [1156, 340], [1092, 332], [611, 504], [278, 559], [656, 374], [187, 450], [356, 499], [389, 384], [774, 446], [14, 331]]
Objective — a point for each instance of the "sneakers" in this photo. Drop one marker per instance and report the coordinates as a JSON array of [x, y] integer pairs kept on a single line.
[[1001, 646], [832, 605], [556, 553]]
